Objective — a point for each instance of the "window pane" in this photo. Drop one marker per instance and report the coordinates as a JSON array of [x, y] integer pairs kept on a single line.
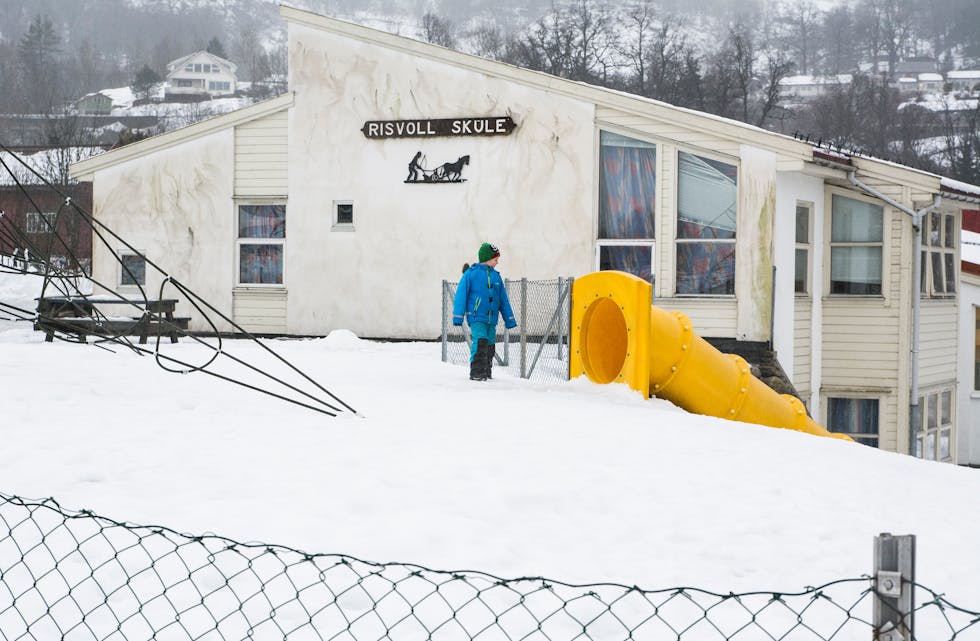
[[636, 260], [931, 446], [345, 214], [133, 269], [261, 221], [950, 232], [706, 268], [932, 408], [627, 187], [950, 273], [937, 273], [934, 239], [924, 270], [801, 265], [855, 270], [802, 224], [707, 194], [857, 417], [854, 221], [946, 408], [260, 264], [943, 445]]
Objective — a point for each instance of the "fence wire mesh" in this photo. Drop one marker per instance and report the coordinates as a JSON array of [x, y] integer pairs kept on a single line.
[[77, 576], [537, 348]]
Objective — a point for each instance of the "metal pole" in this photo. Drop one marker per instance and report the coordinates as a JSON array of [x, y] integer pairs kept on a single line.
[[894, 590], [507, 331], [523, 327], [445, 325]]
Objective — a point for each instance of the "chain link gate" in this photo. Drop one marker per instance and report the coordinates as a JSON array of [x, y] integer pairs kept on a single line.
[[538, 345]]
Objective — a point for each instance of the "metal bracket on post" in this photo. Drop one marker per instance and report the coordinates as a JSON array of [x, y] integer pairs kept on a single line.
[[894, 588]]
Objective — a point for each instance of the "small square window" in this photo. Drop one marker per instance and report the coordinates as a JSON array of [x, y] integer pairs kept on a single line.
[[343, 215], [132, 270]]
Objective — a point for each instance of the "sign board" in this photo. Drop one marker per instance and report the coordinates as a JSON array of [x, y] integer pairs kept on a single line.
[[491, 126]]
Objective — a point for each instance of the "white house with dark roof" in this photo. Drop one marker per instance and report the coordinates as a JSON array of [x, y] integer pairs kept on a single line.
[[201, 74], [344, 203]]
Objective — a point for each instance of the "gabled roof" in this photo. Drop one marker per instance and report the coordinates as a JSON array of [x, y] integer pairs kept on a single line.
[[85, 169], [180, 62]]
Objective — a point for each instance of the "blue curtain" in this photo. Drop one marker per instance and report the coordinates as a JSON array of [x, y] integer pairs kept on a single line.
[[627, 188], [261, 221], [260, 264]]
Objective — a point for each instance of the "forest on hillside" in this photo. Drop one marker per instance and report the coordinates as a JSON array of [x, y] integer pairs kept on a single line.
[[725, 57]]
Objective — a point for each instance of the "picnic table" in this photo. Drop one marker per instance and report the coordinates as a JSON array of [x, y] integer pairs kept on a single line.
[[84, 316]]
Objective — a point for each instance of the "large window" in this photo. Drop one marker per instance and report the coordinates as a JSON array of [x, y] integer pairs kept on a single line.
[[856, 242], [261, 244], [933, 438], [707, 197], [802, 273], [627, 203], [939, 255], [40, 223], [856, 417]]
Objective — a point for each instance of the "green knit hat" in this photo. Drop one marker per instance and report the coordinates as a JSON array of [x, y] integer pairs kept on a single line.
[[487, 251]]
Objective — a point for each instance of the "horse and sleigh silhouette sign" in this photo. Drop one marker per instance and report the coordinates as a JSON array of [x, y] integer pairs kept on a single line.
[[447, 172]]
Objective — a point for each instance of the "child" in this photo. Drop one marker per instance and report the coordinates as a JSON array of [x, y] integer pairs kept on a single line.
[[481, 296]]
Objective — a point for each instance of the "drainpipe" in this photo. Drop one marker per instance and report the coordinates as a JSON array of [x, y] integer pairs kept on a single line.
[[915, 416]]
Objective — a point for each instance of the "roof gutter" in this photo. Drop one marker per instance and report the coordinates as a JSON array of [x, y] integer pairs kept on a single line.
[[915, 415]]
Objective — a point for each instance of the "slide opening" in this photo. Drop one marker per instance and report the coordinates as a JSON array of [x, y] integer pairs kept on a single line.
[[603, 340]]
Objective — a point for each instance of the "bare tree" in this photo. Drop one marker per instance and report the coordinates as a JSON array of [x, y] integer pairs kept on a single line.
[[777, 68], [438, 31], [487, 40], [801, 22]]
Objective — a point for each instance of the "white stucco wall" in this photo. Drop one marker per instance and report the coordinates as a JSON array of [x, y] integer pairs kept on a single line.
[[531, 193], [757, 200], [968, 400], [791, 188], [174, 206]]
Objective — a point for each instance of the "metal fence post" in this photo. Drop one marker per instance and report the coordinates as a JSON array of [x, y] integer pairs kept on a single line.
[[523, 327], [894, 588], [445, 328]]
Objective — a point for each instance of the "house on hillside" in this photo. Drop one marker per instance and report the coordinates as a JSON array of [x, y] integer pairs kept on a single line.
[[930, 82], [199, 75], [35, 221], [968, 392], [346, 201], [809, 87], [94, 104], [964, 80]]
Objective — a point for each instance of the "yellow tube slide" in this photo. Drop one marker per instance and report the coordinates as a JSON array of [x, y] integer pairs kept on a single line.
[[617, 335]]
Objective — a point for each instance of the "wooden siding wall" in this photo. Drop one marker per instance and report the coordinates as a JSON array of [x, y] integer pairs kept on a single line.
[[802, 352], [262, 156], [937, 342], [710, 318], [260, 311]]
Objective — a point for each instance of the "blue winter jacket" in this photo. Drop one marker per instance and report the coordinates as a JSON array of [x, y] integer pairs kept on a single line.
[[481, 295]]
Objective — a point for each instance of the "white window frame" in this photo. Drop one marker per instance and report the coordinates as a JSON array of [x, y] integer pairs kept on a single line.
[[936, 243], [829, 244], [40, 222], [734, 162], [335, 225], [937, 407], [976, 349], [805, 247], [855, 396], [259, 241], [122, 272]]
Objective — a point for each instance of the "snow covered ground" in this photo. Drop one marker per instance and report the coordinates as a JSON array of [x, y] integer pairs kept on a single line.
[[574, 481]]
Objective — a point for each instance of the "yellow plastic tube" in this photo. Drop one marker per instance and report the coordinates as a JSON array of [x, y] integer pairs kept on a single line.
[[618, 336]]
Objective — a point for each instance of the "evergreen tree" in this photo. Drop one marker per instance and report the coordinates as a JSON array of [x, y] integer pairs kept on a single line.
[[143, 84], [37, 53], [215, 47]]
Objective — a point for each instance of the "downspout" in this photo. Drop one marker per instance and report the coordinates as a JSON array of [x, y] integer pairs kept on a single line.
[[915, 416]]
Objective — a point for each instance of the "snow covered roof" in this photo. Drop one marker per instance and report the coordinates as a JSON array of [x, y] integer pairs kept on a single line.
[[963, 74], [930, 77], [839, 79]]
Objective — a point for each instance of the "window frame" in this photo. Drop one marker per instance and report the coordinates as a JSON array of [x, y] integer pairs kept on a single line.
[[807, 247], [121, 272], [859, 437], [677, 241], [933, 403], [40, 222], [830, 244], [240, 241], [976, 349], [335, 224], [943, 248], [641, 242]]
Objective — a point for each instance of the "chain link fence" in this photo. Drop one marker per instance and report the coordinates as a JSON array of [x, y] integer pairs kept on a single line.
[[77, 576], [537, 348]]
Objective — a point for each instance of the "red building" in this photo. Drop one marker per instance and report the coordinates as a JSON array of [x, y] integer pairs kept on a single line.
[[29, 214]]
